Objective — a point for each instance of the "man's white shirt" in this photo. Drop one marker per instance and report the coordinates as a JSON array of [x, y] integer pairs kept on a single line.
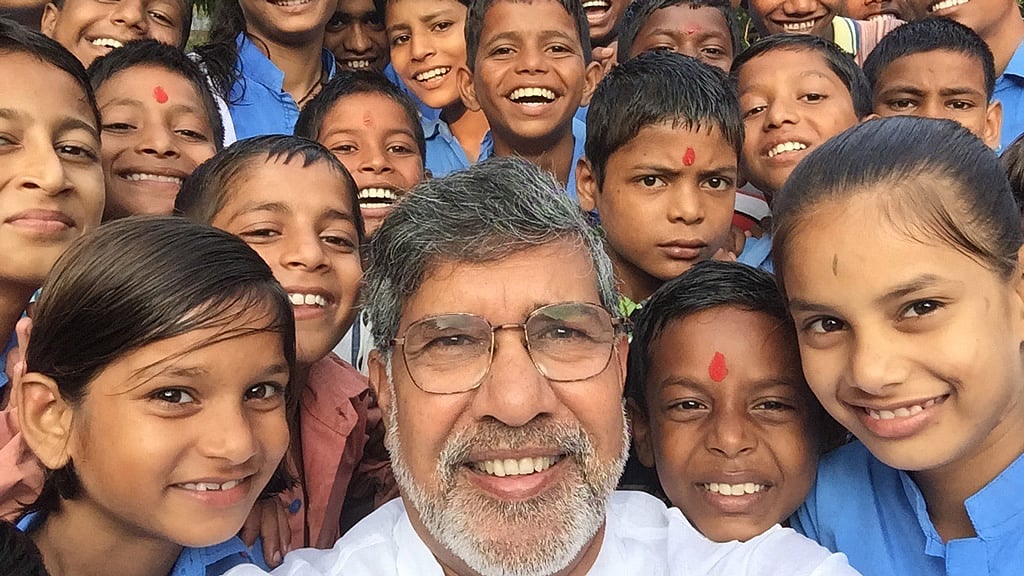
[[641, 537]]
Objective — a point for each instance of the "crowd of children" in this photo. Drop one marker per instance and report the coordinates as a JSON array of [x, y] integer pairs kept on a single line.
[[848, 362]]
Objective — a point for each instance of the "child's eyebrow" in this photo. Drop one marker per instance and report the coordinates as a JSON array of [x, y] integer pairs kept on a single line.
[[67, 124], [916, 284], [672, 32], [276, 207]]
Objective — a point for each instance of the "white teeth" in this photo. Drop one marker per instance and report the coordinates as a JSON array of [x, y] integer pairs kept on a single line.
[[596, 4], [881, 17], [210, 486], [946, 4], [290, 2], [734, 489], [431, 74], [307, 300], [378, 193], [796, 27], [522, 93], [107, 43], [903, 412], [786, 147], [140, 177], [512, 467], [358, 64]]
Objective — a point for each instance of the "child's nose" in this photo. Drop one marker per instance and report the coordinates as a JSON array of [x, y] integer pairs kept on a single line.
[[130, 13], [156, 141], [729, 433], [359, 40], [798, 7]]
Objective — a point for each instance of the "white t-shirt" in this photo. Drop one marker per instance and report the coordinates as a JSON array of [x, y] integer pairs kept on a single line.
[[642, 536]]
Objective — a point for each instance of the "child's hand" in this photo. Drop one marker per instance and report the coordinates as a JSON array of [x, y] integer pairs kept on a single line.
[[737, 241], [724, 255], [269, 520]]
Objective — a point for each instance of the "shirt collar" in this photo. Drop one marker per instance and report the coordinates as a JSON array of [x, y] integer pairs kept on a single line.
[[993, 510], [1016, 65], [254, 64]]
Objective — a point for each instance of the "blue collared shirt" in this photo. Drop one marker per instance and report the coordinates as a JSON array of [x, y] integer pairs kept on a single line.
[[208, 561], [444, 153], [757, 253], [579, 135], [1010, 91], [259, 104], [877, 516]]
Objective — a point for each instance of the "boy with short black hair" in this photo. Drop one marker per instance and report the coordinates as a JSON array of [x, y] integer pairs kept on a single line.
[[796, 91], [530, 69], [704, 29], [356, 36], [160, 122], [936, 68], [661, 168], [92, 28], [718, 402], [1001, 26]]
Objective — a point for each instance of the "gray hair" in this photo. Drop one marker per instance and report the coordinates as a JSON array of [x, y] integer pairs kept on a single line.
[[496, 208]]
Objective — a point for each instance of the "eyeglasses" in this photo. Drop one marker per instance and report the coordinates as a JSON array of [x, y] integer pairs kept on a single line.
[[452, 353]]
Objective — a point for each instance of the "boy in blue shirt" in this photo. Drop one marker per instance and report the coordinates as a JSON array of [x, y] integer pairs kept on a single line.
[[661, 168], [530, 69]]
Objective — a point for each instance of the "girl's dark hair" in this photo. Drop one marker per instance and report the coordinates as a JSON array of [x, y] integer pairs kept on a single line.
[[219, 56], [137, 281], [347, 83], [204, 193], [841, 63], [15, 38], [1013, 162], [933, 179], [153, 53], [19, 556]]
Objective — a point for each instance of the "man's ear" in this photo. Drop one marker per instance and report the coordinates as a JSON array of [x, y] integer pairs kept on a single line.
[[586, 185], [48, 23], [993, 124], [591, 78], [467, 91], [378, 374], [641, 428], [45, 419]]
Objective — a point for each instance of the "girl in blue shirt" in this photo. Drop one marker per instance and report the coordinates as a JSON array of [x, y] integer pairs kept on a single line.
[[266, 60], [898, 245], [154, 394]]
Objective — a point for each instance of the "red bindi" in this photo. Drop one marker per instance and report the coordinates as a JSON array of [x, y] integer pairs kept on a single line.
[[692, 31], [717, 369], [159, 95], [690, 157]]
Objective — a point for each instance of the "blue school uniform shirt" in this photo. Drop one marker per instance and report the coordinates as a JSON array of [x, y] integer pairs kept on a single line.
[[876, 515], [579, 135], [1010, 91], [208, 561], [757, 253], [444, 153], [258, 103]]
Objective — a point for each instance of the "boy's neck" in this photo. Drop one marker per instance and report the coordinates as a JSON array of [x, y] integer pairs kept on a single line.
[[634, 283], [1004, 39], [554, 154], [945, 489], [301, 64], [78, 541], [468, 127]]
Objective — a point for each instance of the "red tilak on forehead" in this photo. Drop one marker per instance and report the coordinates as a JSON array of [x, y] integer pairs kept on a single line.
[[159, 95], [692, 31], [717, 369], [690, 157]]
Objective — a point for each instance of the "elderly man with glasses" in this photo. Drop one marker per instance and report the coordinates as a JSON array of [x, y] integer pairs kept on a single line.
[[500, 361]]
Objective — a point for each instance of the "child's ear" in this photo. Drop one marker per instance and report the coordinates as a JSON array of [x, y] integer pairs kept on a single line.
[[641, 428], [45, 419], [591, 79], [586, 185], [993, 124], [49, 20], [467, 91]]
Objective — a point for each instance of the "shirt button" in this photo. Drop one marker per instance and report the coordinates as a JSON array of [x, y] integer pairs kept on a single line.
[[295, 506]]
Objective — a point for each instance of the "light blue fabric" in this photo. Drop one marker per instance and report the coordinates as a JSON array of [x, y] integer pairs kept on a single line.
[[757, 253], [258, 103], [1010, 91], [877, 516], [208, 561], [579, 134], [3, 360], [444, 152]]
